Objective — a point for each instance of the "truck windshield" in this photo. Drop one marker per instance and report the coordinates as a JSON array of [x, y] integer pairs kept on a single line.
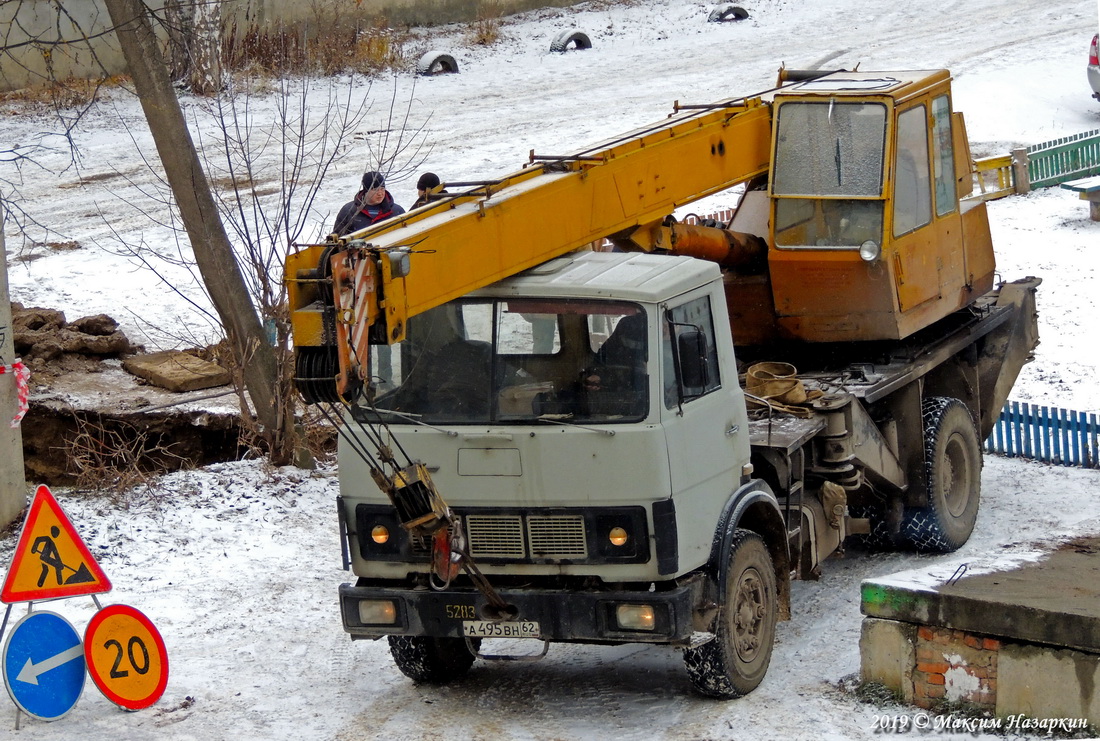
[[517, 361], [828, 174]]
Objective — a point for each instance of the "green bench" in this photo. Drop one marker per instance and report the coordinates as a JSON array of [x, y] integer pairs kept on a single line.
[[1089, 189]]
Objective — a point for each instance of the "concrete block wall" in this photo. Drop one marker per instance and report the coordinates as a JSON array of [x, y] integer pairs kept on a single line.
[[1046, 682], [888, 654]]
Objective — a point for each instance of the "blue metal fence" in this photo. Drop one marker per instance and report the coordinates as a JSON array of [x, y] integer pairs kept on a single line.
[[1059, 436]]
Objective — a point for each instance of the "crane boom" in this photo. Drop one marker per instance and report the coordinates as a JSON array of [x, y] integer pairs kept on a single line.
[[869, 236], [385, 274]]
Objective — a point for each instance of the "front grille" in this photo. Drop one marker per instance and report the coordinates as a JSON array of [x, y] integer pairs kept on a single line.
[[534, 535], [495, 536], [559, 536], [548, 536]]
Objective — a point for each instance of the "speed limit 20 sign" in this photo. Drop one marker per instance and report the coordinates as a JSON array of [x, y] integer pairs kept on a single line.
[[126, 657]]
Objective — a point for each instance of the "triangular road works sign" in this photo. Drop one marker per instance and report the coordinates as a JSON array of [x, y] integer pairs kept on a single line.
[[51, 560]]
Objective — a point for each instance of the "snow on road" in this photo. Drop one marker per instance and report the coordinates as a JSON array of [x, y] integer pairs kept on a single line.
[[238, 565]]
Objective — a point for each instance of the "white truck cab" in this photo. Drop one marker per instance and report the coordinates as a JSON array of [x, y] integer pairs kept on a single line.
[[584, 422]]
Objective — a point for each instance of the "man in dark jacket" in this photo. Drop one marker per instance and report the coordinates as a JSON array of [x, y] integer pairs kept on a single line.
[[371, 205]]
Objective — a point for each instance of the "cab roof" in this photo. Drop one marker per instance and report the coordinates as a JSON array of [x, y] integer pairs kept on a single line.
[[635, 276], [898, 85]]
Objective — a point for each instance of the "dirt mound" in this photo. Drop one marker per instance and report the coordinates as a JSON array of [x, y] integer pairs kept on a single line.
[[51, 346]]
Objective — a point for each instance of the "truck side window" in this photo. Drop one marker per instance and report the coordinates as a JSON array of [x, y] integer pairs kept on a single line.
[[912, 200], [692, 316]]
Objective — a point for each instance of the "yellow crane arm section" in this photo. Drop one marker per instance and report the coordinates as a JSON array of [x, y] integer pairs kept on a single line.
[[410, 264]]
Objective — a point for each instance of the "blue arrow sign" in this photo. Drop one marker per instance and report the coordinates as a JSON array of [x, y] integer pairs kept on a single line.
[[44, 665]]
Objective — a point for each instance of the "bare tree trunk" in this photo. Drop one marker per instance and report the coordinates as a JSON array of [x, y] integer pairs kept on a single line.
[[194, 44], [199, 213], [179, 18], [206, 48]]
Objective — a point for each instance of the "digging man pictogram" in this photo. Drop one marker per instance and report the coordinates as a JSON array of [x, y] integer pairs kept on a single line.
[[46, 550]]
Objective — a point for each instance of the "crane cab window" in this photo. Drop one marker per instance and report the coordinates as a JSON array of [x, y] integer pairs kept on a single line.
[[943, 156], [828, 174], [829, 148], [912, 199]]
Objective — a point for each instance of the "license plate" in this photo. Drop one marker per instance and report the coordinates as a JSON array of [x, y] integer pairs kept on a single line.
[[491, 629]]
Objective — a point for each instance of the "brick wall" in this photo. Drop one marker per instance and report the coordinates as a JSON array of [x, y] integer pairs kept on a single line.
[[956, 666]]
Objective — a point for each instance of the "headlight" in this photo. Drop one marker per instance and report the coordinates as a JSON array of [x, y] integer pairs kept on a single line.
[[869, 251], [635, 617], [380, 534], [618, 536], [377, 612]]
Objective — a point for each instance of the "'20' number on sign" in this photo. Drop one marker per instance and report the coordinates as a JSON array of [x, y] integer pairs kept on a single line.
[[140, 667]]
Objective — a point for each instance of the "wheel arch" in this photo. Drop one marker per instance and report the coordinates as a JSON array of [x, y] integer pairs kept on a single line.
[[754, 507]]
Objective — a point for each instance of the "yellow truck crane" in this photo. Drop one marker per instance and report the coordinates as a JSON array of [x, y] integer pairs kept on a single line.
[[648, 444]]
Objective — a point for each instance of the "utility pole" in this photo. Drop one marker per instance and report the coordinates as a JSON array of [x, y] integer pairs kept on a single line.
[[13, 485]]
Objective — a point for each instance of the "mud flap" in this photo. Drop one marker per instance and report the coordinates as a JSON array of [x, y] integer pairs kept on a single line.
[[1006, 349]]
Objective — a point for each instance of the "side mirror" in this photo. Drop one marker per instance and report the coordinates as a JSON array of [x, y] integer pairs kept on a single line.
[[691, 346]]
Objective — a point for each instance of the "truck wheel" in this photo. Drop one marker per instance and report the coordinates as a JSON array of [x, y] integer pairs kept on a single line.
[[433, 660], [735, 662], [952, 475]]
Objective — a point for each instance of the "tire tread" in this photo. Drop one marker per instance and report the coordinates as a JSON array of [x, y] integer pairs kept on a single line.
[[923, 528], [431, 660]]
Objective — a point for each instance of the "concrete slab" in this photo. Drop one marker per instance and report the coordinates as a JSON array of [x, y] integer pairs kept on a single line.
[[1017, 636], [1050, 598], [177, 371]]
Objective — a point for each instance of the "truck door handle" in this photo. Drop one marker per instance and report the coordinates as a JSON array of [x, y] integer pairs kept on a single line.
[[733, 430]]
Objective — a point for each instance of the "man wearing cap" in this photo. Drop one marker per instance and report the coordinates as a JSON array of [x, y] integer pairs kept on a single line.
[[371, 205], [424, 186]]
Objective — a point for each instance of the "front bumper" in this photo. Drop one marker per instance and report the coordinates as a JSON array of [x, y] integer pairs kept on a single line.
[[580, 616]]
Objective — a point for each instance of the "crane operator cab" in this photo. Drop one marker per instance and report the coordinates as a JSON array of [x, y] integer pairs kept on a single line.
[[869, 238]]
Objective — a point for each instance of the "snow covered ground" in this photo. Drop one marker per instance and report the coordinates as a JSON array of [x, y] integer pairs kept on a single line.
[[238, 565]]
